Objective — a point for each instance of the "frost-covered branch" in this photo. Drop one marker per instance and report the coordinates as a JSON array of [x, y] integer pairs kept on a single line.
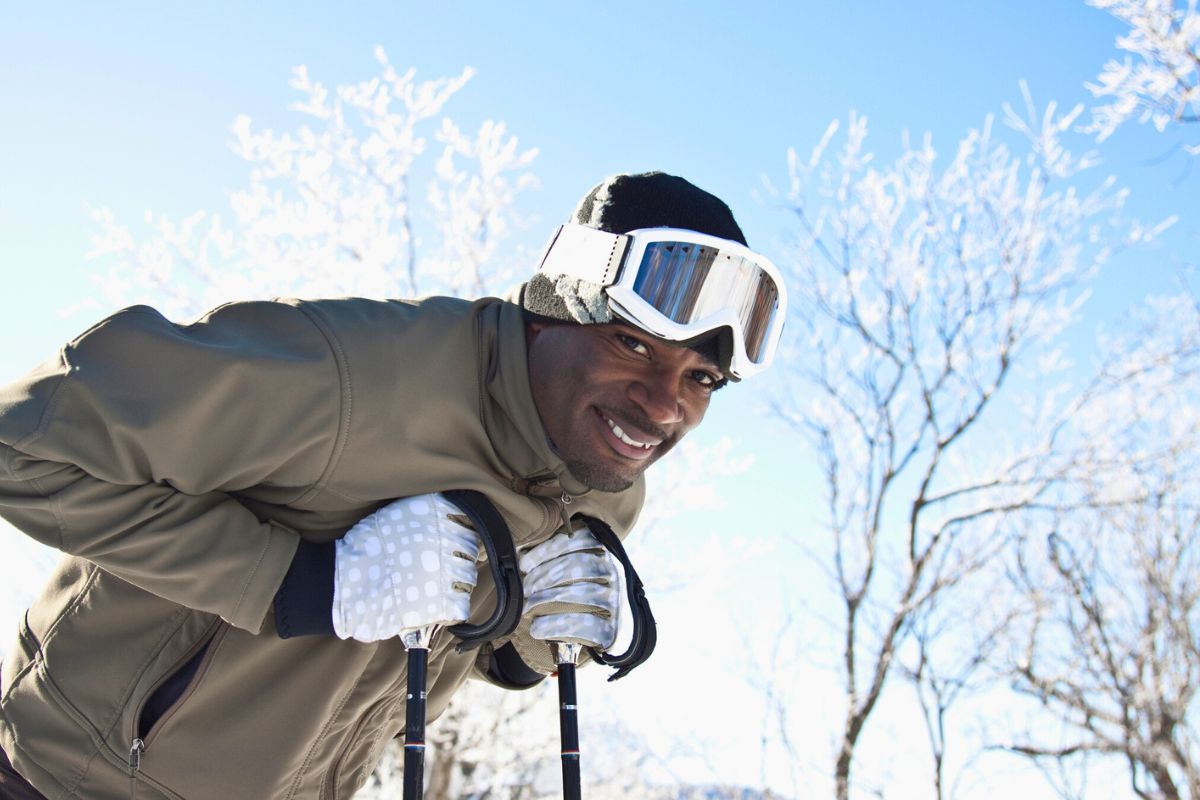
[[926, 285], [330, 207], [1158, 81], [1111, 649]]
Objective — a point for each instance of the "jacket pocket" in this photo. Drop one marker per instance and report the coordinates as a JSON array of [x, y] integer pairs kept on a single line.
[[177, 684]]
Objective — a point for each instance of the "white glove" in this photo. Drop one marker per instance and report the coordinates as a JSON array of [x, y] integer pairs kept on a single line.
[[408, 565], [572, 590]]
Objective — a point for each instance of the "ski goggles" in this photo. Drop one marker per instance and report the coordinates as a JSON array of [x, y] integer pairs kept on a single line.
[[680, 285]]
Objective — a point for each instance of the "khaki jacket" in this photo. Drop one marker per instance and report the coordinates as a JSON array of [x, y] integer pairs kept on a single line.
[[179, 466]]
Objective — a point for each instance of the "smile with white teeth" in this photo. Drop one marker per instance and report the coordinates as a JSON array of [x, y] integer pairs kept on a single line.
[[624, 437]]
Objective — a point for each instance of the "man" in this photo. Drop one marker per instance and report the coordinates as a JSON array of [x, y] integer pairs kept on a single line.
[[240, 570]]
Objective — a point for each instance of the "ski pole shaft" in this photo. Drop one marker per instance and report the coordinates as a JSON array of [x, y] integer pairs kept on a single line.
[[568, 720], [416, 642]]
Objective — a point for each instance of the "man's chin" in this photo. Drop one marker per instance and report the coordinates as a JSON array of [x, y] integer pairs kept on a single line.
[[604, 477]]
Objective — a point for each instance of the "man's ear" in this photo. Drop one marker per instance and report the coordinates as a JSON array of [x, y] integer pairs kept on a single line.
[[532, 329]]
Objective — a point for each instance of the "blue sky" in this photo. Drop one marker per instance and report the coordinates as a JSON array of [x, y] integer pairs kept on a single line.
[[128, 106]]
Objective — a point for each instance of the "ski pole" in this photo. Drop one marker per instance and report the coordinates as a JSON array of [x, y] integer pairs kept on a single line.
[[484, 519], [416, 643], [566, 654]]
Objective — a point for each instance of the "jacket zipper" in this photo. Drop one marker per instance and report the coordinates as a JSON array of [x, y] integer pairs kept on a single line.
[[138, 746], [556, 516], [135, 765], [542, 488], [566, 517]]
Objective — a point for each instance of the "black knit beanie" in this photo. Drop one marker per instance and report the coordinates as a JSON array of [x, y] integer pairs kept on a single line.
[[625, 203]]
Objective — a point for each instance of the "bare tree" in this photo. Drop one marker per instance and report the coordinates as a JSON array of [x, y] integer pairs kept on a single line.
[[1112, 649], [1159, 79], [951, 653], [766, 669], [331, 207], [924, 292]]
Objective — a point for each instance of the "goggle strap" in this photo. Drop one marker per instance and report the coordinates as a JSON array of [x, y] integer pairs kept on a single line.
[[585, 253]]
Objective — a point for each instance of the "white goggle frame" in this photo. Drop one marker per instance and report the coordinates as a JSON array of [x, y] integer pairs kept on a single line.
[[614, 261]]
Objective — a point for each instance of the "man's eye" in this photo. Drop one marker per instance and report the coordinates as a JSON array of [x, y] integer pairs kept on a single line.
[[706, 379], [633, 344]]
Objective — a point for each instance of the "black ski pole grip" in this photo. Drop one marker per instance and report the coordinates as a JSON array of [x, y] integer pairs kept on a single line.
[[569, 731], [502, 561], [414, 725], [568, 719]]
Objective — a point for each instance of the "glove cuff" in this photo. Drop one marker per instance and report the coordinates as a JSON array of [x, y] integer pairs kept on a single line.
[[304, 602], [506, 668]]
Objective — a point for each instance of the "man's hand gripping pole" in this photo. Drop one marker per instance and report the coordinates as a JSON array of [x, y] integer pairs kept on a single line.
[[502, 560], [565, 574]]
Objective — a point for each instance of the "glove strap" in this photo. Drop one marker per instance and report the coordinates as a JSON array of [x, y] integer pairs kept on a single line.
[[645, 632], [502, 559]]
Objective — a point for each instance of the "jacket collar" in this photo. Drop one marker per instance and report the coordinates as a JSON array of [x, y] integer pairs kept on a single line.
[[511, 418]]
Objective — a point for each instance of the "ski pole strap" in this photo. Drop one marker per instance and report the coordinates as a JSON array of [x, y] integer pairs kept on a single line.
[[645, 633], [502, 560]]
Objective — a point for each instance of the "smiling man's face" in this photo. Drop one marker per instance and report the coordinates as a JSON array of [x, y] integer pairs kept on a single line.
[[614, 399]]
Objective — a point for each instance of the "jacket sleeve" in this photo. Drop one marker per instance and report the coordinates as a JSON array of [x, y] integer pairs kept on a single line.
[[129, 449]]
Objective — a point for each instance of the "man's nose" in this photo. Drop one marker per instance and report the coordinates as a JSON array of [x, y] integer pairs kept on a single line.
[[658, 397]]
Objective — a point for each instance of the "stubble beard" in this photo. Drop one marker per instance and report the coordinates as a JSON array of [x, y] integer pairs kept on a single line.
[[601, 477]]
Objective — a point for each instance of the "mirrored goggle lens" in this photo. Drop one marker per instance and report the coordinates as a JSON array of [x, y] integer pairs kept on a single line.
[[688, 282]]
